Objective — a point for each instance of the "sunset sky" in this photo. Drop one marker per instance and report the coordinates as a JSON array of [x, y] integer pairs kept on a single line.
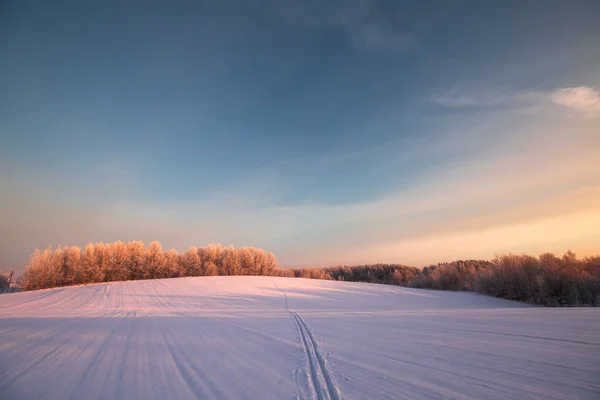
[[328, 132]]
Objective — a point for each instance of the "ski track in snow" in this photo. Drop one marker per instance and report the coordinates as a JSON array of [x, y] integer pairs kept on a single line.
[[319, 377], [327, 391], [288, 338]]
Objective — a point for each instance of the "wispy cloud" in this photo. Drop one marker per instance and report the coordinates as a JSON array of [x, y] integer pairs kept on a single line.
[[362, 22], [459, 98], [581, 98]]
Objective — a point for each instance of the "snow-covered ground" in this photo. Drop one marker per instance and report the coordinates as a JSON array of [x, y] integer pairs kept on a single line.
[[285, 338]]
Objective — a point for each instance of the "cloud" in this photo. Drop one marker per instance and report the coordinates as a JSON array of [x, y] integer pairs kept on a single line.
[[363, 23], [581, 98], [459, 98]]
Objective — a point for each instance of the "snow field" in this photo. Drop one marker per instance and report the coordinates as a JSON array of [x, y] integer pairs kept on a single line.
[[285, 338]]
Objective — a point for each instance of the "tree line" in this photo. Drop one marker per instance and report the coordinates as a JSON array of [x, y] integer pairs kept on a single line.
[[118, 261], [546, 280]]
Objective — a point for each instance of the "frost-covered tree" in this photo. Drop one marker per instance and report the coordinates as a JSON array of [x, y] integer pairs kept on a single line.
[[246, 260], [117, 262], [210, 269], [135, 257], [101, 262], [37, 270], [229, 261], [271, 264], [211, 259], [87, 264], [153, 261], [55, 270], [191, 262], [171, 267], [71, 263]]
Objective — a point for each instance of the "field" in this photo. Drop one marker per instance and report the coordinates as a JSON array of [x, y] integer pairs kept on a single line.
[[284, 338]]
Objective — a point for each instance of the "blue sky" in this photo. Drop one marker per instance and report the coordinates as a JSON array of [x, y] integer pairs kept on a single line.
[[325, 131]]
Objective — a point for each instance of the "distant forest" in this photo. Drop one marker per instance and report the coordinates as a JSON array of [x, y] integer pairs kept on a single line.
[[546, 280]]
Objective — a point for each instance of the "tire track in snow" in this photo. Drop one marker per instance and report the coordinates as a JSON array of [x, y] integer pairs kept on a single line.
[[318, 374]]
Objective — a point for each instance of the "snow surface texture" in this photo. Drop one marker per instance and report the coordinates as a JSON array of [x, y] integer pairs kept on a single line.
[[285, 338]]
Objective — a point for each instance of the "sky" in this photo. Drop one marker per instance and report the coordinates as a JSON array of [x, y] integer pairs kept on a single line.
[[326, 131]]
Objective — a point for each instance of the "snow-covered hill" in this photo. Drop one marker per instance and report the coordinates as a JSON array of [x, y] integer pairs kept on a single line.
[[285, 338]]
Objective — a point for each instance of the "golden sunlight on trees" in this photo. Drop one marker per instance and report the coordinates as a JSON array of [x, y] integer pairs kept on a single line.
[[118, 261]]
